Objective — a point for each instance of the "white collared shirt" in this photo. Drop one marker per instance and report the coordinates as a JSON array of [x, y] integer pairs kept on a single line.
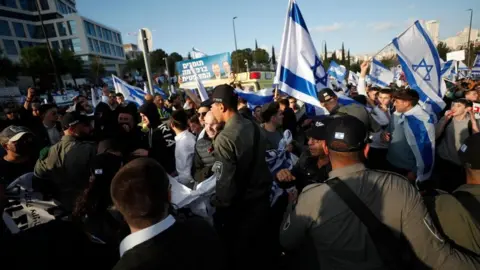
[[53, 135], [146, 234], [184, 153], [202, 133]]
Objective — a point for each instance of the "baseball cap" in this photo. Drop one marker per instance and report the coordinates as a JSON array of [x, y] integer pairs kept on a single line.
[[318, 131], [468, 152], [326, 94], [225, 94], [207, 104], [348, 130], [14, 133], [73, 118]]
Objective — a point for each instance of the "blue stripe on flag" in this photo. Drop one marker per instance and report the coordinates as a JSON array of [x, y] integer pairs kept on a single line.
[[377, 81], [436, 57], [423, 142], [297, 17], [378, 63], [297, 83], [411, 78]]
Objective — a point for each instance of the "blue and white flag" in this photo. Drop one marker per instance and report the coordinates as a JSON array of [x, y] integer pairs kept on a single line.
[[159, 91], [196, 53], [353, 78], [201, 89], [337, 71], [476, 65], [419, 131], [462, 66], [380, 75], [421, 63], [257, 98], [300, 72], [397, 72], [131, 93], [447, 67]]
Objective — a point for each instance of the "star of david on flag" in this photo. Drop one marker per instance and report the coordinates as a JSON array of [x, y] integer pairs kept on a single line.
[[428, 68]]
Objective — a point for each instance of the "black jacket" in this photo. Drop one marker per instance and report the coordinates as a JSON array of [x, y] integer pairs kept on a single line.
[[204, 159], [185, 245], [306, 171]]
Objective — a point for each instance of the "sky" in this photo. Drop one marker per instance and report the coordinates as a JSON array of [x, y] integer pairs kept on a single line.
[[365, 26]]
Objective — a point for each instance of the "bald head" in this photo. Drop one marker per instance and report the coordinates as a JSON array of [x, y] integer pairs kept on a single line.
[[148, 98], [211, 125]]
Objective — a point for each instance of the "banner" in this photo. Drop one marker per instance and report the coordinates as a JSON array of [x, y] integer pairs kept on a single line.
[[211, 70]]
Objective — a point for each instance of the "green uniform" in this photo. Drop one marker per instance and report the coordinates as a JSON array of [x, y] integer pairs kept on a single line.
[[340, 239], [67, 166]]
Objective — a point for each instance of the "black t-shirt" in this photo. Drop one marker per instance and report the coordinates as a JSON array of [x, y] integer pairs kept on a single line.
[[10, 171]]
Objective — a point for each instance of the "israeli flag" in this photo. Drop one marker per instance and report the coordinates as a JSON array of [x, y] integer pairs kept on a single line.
[[476, 65], [257, 98], [397, 72], [462, 66], [352, 78], [159, 91], [196, 53], [300, 71], [201, 89], [131, 93], [421, 63], [380, 75], [337, 71], [419, 131]]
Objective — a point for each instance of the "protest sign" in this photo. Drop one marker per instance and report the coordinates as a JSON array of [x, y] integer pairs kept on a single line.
[[211, 70], [476, 110]]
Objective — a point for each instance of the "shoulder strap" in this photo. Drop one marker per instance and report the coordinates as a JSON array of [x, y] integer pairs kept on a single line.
[[442, 135], [470, 203], [386, 243]]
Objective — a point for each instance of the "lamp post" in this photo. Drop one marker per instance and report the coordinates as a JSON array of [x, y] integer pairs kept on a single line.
[[234, 33], [469, 33]]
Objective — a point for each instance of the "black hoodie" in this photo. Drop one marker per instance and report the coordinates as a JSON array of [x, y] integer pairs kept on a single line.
[[160, 138]]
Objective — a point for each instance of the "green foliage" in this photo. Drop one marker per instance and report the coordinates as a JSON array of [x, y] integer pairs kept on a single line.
[[348, 60], [256, 45], [157, 60], [135, 64], [325, 52], [274, 60], [97, 69], [261, 56], [35, 62], [390, 62], [8, 70], [342, 61], [173, 58], [70, 64], [443, 49], [355, 67], [238, 59], [189, 56]]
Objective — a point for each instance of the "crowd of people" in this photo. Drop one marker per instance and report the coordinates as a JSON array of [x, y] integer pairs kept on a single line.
[[353, 199]]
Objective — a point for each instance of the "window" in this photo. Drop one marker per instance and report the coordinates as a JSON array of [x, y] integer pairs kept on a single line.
[[24, 44], [61, 7], [72, 27], [99, 31], [19, 30], [120, 52], [102, 47], [44, 5], [113, 50], [5, 29], [50, 30], [119, 38], [10, 47], [90, 45], [67, 44], [35, 31], [97, 47], [62, 30], [8, 3], [107, 48], [90, 28], [77, 45], [28, 5], [56, 45]]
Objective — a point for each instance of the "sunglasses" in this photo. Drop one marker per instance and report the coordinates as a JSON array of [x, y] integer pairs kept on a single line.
[[202, 114]]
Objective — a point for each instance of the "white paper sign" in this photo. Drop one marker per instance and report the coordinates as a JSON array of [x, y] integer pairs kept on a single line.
[[476, 110]]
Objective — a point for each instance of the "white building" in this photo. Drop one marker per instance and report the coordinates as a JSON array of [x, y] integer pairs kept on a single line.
[[132, 51], [433, 28], [20, 27], [461, 38]]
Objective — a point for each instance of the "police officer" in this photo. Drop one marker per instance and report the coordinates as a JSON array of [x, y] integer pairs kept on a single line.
[[341, 241], [313, 165], [243, 184]]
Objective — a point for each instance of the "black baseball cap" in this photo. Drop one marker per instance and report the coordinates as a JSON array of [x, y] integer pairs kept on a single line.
[[348, 130], [468, 152], [326, 94], [225, 94], [318, 131], [74, 118], [207, 104]]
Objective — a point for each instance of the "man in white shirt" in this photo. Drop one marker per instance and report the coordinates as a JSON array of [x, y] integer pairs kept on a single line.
[[184, 146]]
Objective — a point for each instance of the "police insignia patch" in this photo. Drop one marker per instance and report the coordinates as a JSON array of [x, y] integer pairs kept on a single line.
[[217, 169]]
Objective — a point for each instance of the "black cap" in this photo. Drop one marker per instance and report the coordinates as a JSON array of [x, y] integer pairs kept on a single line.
[[468, 152], [74, 118], [326, 94], [318, 131], [348, 130], [207, 104], [225, 94]]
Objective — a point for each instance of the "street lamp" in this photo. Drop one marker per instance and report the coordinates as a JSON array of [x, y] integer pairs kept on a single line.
[[234, 33], [469, 33]]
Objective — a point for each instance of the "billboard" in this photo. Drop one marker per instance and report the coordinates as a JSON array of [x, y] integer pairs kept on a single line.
[[211, 70]]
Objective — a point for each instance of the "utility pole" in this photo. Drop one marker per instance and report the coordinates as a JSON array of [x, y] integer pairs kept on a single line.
[[469, 33], [235, 40], [143, 34], [49, 49]]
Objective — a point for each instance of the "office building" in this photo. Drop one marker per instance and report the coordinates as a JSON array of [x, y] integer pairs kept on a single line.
[[433, 28], [132, 51], [65, 28], [461, 38]]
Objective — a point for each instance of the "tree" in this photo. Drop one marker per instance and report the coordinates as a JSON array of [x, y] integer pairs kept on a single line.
[[256, 45], [97, 69], [173, 58], [35, 62], [238, 59], [274, 60], [135, 64], [348, 60], [325, 52], [390, 61], [157, 59], [8, 70], [189, 56], [343, 55], [70, 64], [443, 49], [355, 67], [261, 56]]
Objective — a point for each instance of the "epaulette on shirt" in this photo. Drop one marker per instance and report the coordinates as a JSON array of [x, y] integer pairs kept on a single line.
[[389, 172]]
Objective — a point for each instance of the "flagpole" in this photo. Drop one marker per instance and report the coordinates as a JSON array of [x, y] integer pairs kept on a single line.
[[390, 43]]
